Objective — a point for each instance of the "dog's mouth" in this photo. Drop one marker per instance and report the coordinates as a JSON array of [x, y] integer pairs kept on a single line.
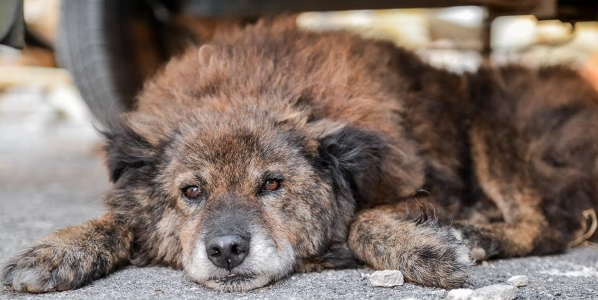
[[236, 282], [266, 262], [232, 279]]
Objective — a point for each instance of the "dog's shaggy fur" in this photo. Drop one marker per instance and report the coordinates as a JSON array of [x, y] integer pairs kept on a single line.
[[275, 150]]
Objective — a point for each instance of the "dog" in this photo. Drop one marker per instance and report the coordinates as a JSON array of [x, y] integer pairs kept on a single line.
[[274, 150]]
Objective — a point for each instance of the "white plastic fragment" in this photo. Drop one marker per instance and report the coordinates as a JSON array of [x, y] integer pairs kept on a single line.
[[495, 292], [387, 278], [518, 280], [459, 294]]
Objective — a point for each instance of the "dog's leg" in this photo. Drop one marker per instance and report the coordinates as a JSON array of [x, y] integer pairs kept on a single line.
[[386, 237], [518, 236], [71, 257], [502, 173], [524, 228]]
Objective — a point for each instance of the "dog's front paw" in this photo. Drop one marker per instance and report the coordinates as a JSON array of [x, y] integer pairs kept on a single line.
[[435, 258], [424, 252], [70, 258], [47, 268]]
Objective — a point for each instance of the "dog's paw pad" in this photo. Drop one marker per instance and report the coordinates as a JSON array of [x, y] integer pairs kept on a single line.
[[479, 254], [481, 245]]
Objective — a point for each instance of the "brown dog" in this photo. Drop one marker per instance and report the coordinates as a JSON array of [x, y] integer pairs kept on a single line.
[[275, 150]]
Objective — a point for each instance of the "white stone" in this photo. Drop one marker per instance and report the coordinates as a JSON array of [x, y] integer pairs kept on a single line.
[[459, 294], [387, 278], [495, 292], [518, 281]]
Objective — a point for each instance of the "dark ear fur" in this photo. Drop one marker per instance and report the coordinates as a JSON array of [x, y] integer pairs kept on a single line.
[[354, 157], [125, 150]]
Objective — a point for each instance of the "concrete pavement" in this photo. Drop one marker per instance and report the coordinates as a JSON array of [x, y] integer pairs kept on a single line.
[[51, 176]]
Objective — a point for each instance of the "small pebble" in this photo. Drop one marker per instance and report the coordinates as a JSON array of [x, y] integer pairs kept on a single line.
[[518, 281], [459, 294], [495, 292], [387, 278], [485, 263]]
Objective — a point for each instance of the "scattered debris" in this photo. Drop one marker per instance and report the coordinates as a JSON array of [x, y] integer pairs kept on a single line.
[[581, 271], [491, 292], [518, 280], [387, 278], [459, 294], [495, 292]]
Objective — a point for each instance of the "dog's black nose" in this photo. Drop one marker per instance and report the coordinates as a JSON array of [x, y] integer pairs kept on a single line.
[[227, 251]]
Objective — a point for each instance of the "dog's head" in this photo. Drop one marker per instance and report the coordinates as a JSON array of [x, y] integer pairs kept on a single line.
[[238, 198], [231, 175]]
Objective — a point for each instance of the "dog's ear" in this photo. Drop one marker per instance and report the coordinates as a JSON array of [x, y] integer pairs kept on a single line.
[[354, 158], [126, 150]]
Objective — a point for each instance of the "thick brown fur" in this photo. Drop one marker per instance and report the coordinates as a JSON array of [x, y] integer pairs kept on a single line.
[[369, 155]]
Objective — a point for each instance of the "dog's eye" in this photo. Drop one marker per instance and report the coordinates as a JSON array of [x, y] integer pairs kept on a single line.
[[191, 192], [271, 185]]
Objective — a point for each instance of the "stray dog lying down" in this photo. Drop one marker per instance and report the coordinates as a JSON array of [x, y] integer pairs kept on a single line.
[[273, 150]]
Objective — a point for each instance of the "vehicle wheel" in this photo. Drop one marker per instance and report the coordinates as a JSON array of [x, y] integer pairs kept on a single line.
[[110, 47]]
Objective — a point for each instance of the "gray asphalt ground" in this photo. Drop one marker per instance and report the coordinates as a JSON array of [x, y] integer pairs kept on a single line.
[[51, 176]]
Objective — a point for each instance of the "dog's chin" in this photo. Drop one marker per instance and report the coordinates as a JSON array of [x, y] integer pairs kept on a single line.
[[238, 282], [238, 279]]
